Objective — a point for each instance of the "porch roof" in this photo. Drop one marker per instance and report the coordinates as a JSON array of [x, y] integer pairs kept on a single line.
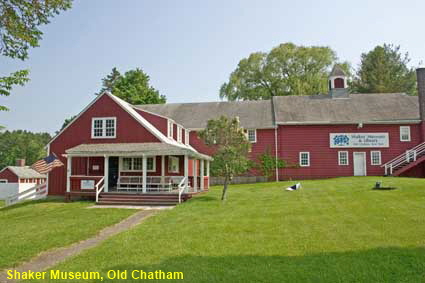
[[129, 149]]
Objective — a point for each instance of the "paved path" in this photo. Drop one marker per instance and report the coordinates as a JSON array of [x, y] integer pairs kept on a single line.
[[48, 259]]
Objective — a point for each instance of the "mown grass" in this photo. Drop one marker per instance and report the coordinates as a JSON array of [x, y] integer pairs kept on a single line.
[[32, 227], [2, 203], [336, 230]]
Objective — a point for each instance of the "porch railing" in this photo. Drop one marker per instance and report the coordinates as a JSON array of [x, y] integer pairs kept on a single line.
[[34, 193], [153, 183], [99, 188], [182, 188], [404, 158]]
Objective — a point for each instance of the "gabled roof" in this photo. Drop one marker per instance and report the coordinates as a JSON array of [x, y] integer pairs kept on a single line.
[[382, 107], [337, 71], [252, 114], [130, 110], [152, 148], [24, 172]]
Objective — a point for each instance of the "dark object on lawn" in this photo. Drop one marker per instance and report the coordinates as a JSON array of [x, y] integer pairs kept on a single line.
[[378, 185], [294, 187]]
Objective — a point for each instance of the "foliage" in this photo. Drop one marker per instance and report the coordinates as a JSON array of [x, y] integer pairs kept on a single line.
[[22, 144], [267, 163], [132, 87], [333, 230], [66, 123], [19, 30], [383, 70], [286, 70], [231, 145], [59, 224]]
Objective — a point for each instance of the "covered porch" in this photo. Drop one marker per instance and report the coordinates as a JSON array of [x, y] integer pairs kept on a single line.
[[135, 168]]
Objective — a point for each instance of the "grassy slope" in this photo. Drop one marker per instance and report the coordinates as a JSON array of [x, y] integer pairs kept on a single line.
[[334, 230], [1, 203], [32, 227]]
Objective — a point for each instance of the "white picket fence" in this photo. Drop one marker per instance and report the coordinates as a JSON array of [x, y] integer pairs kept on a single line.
[[33, 193]]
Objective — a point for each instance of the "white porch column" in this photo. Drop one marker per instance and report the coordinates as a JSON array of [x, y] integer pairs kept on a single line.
[[195, 175], [186, 172], [208, 173], [162, 168], [144, 164], [106, 170], [68, 173], [202, 175]]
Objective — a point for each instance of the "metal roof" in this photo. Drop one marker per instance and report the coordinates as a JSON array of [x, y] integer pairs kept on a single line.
[[383, 107], [252, 114], [25, 172], [130, 149]]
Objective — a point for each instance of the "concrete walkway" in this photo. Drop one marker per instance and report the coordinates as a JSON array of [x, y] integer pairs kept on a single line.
[[48, 259]]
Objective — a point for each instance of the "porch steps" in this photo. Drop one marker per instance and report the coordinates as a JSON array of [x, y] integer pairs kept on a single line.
[[141, 199]]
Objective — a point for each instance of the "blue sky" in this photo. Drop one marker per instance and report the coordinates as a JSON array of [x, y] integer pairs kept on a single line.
[[189, 48]]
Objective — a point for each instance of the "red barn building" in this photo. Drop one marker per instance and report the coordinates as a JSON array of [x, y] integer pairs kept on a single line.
[[115, 147]]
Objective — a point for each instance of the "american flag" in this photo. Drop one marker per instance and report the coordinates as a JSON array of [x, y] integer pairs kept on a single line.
[[47, 164]]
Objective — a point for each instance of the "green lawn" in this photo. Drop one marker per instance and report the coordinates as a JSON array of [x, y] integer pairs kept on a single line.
[[1, 203], [336, 230], [32, 227]]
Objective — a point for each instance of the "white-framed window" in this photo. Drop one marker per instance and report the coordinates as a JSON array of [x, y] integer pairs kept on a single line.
[[104, 128], [186, 137], [375, 157], [404, 133], [173, 164], [179, 133], [304, 159], [343, 158], [170, 126], [251, 134], [3, 181], [136, 164]]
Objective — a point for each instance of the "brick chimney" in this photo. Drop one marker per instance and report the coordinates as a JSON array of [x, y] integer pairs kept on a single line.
[[20, 162], [420, 74]]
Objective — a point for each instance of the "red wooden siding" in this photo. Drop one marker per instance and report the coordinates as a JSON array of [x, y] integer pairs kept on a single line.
[[339, 83], [9, 176], [128, 130], [159, 122], [324, 160]]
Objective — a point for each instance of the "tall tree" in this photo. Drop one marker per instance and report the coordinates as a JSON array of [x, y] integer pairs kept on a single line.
[[22, 144], [132, 87], [383, 70], [19, 30], [286, 70], [232, 147]]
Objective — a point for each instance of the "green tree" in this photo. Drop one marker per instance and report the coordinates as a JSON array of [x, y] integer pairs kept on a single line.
[[66, 123], [267, 163], [232, 148], [286, 70], [383, 70], [22, 144], [19, 30], [132, 87]]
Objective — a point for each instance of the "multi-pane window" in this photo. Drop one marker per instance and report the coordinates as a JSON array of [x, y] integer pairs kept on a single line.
[[304, 159], [342, 157], [104, 127], [405, 133], [136, 164], [170, 126], [375, 157], [252, 135], [173, 164], [3, 181]]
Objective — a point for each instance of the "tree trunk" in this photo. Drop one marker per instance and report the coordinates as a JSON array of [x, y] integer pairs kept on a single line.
[[226, 180]]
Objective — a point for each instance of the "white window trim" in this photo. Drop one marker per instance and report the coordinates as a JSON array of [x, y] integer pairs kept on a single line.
[[103, 127], [178, 164], [186, 137], [371, 157], [308, 159], [132, 164], [179, 133], [4, 181], [339, 158], [170, 128], [401, 133], [255, 135]]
